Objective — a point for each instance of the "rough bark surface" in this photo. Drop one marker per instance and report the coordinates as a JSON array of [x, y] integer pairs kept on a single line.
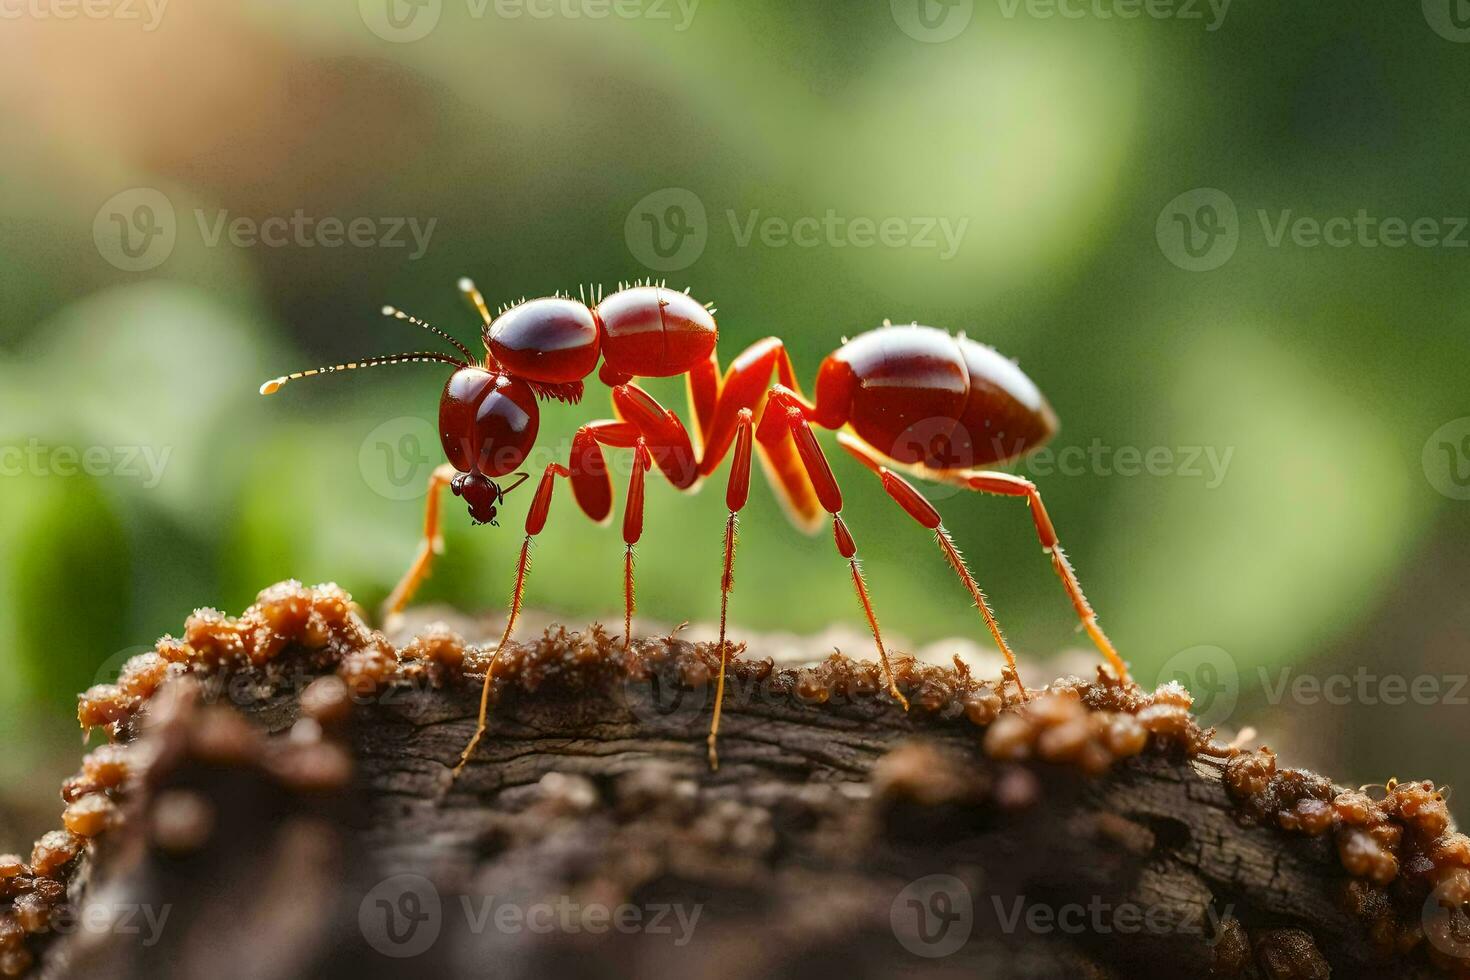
[[590, 839]]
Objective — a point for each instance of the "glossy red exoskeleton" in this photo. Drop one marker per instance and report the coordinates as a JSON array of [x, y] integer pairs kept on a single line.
[[902, 398]]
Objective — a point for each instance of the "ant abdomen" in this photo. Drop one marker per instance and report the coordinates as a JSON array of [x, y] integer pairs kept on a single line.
[[922, 395]]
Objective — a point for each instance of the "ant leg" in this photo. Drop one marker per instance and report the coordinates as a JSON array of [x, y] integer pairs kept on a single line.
[[663, 431], [923, 512], [783, 414], [746, 386], [736, 494], [632, 531], [702, 387], [1006, 485], [591, 484], [535, 522], [432, 544], [592, 488]]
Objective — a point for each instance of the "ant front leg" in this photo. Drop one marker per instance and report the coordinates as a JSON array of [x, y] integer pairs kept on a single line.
[[592, 489], [535, 522], [432, 544], [1006, 485], [922, 511], [784, 413]]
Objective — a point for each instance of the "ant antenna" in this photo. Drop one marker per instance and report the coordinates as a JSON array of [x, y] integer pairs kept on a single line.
[[467, 286], [395, 312], [276, 384]]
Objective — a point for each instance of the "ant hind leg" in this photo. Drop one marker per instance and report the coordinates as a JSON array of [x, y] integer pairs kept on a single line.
[[1007, 485], [784, 415], [922, 511]]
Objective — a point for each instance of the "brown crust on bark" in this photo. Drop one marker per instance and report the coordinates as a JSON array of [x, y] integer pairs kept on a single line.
[[839, 837]]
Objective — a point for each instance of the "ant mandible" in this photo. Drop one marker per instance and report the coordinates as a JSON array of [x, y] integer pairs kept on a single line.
[[910, 398]]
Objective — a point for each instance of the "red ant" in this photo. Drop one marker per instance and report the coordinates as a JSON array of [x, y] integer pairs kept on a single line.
[[907, 398]]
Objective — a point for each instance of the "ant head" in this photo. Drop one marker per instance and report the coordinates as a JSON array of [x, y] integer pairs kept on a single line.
[[480, 492]]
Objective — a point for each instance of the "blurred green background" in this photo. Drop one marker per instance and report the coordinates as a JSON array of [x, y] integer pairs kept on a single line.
[[539, 145]]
